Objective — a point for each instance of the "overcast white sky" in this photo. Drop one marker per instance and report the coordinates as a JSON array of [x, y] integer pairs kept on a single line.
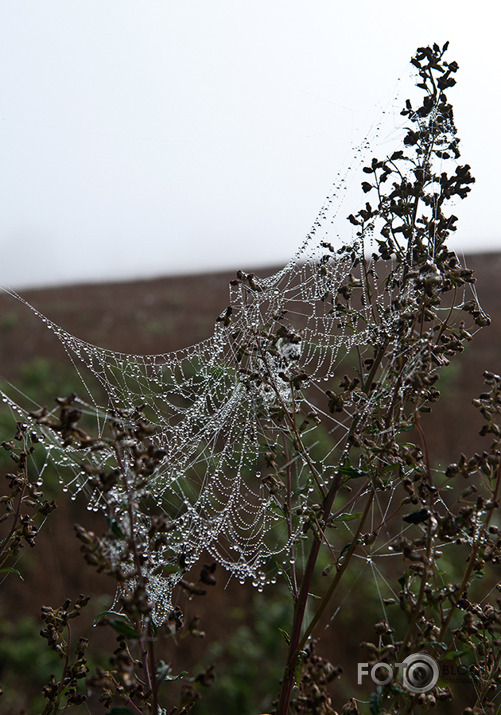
[[151, 137]]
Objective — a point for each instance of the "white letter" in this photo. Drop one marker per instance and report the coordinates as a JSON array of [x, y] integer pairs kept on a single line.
[[363, 669], [382, 666]]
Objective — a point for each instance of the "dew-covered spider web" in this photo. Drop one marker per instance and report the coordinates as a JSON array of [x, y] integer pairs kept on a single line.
[[254, 423]]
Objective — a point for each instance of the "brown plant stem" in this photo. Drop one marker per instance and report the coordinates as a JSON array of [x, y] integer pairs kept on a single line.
[[298, 617], [148, 654], [296, 641], [473, 558]]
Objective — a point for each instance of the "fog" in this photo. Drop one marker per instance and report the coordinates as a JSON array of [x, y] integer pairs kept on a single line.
[[162, 137]]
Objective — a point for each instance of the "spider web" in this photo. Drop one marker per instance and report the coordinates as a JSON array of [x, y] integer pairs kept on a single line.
[[216, 410]]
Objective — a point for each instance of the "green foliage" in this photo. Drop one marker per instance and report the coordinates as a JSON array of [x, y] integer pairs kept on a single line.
[[8, 323], [248, 662], [22, 651]]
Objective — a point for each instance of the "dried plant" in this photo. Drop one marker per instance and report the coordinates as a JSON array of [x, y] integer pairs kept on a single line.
[[24, 507], [75, 668], [293, 445]]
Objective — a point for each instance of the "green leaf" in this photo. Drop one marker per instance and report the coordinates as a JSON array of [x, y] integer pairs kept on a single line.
[[352, 472], [287, 578], [285, 635], [7, 569], [297, 670], [116, 530], [301, 490], [164, 672], [406, 427], [104, 614], [453, 654], [171, 568], [176, 677], [273, 506], [124, 628], [391, 468], [348, 516]]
